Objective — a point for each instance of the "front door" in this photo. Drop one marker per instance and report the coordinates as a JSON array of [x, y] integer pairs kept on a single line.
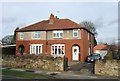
[[21, 49], [75, 53]]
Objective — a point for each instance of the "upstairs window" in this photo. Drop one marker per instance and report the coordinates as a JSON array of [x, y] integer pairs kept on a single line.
[[36, 35], [58, 34], [21, 35], [75, 33]]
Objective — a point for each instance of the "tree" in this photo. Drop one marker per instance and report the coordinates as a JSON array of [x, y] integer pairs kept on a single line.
[[14, 36], [7, 39], [91, 27], [95, 42]]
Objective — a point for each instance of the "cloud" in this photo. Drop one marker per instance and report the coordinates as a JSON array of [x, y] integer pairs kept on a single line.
[[99, 22], [8, 20], [114, 21]]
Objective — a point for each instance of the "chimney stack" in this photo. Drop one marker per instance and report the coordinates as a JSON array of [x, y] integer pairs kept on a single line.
[[51, 19]]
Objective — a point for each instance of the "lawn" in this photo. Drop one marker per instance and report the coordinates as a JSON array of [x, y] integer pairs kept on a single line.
[[27, 75]]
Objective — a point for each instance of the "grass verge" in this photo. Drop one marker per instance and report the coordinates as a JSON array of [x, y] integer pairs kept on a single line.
[[28, 75]]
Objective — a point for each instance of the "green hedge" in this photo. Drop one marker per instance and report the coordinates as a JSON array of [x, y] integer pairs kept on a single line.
[[8, 50]]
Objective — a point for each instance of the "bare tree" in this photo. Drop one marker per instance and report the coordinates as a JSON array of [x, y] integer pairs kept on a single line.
[[90, 26]]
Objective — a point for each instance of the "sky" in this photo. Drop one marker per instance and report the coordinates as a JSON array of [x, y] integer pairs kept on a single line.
[[103, 14]]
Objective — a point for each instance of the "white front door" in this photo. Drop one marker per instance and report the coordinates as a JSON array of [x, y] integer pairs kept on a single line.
[[75, 53]]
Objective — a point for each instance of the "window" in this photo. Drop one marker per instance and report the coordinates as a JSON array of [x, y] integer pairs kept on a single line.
[[21, 35], [75, 33], [88, 36], [36, 35], [35, 48], [89, 51], [58, 34], [58, 49]]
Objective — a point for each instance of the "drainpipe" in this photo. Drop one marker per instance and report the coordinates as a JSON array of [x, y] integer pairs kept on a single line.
[[46, 42]]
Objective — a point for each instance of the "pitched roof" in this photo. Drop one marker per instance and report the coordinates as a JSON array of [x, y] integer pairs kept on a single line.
[[45, 25], [102, 47]]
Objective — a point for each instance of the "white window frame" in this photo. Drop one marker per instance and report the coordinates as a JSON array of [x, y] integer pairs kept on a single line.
[[35, 33], [75, 31], [57, 32], [21, 35], [33, 51], [57, 55]]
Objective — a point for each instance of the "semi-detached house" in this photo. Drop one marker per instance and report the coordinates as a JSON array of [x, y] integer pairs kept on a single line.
[[55, 37]]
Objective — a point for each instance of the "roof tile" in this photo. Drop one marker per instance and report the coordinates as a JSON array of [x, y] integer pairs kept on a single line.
[[58, 24]]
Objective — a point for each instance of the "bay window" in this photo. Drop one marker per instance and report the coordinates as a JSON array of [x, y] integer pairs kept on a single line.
[[58, 49], [35, 48]]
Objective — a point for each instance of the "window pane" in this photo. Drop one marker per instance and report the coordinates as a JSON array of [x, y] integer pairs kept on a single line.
[[61, 34], [59, 50], [57, 34], [21, 35], [35, 35], [38, 35], [55, 49], [36, 49], [62, 49], [39, 49], [75, 34]]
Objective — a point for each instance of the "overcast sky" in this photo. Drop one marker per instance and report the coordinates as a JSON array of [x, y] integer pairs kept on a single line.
[[103, 14]]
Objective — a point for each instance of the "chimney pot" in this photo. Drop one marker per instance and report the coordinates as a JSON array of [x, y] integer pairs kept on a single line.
[[56, 17], [51, 19]]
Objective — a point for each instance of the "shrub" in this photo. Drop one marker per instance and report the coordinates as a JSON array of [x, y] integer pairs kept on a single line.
[[109, 56], [8, 50]]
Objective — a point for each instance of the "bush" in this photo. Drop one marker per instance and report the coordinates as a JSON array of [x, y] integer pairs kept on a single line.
[[8, 50], [109, 56]]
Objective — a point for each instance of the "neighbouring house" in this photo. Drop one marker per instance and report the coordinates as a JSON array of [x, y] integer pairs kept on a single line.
[[55, 37], [102, 49]]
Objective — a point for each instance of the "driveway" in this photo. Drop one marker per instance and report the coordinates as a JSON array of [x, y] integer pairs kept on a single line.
[[82, 68], [81, 71]]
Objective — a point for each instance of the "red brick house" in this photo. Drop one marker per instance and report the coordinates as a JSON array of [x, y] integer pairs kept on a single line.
[[55, 37]]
